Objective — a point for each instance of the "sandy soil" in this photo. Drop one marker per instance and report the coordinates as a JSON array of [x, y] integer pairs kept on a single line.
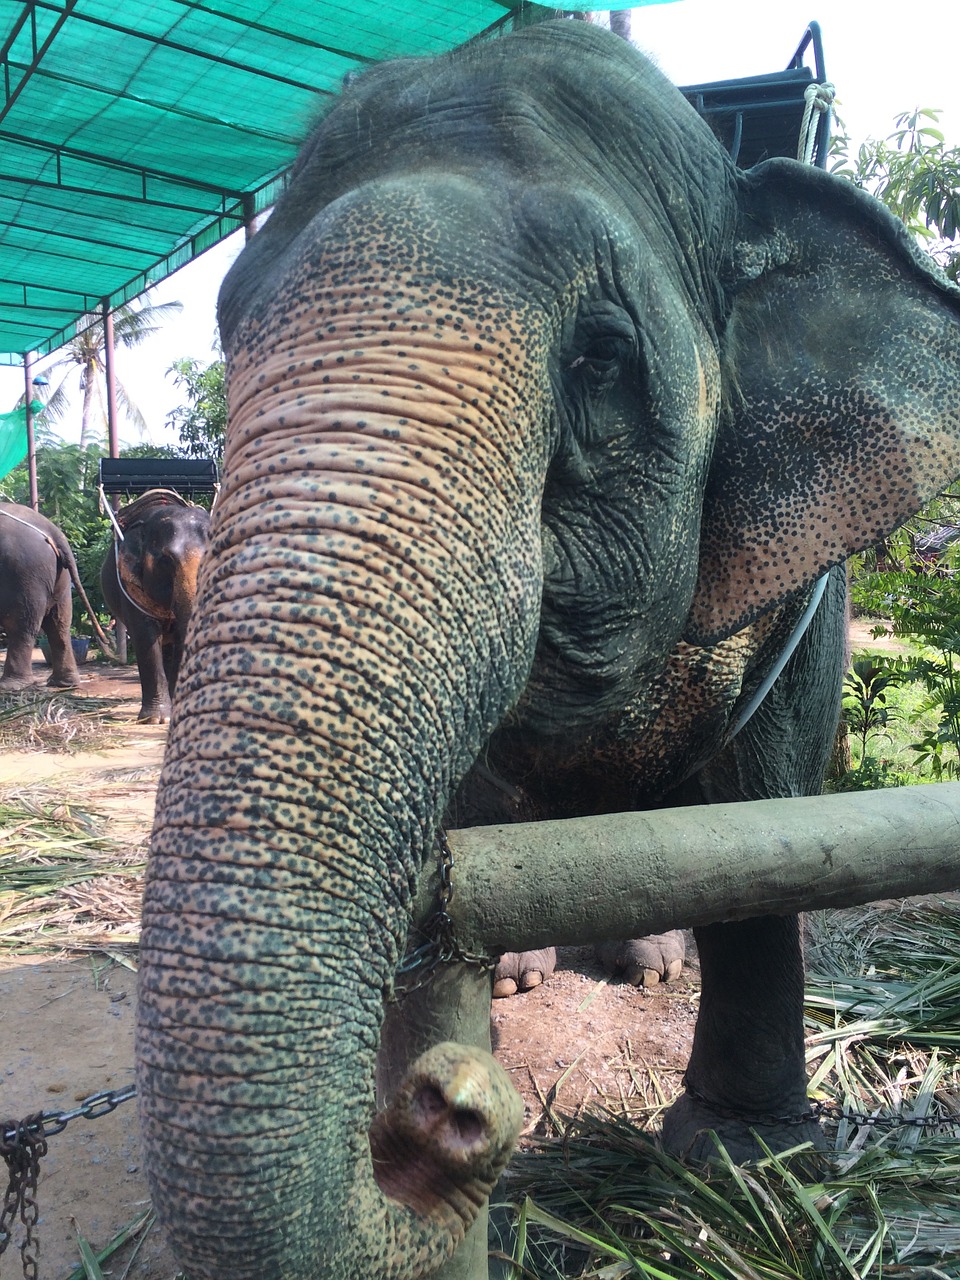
[[862, 637]]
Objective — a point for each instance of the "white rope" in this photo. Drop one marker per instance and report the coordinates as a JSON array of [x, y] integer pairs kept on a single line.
[[105, 507], [817, 100]]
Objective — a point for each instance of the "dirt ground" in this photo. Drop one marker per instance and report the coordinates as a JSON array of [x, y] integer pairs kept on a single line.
[[66, 1024]]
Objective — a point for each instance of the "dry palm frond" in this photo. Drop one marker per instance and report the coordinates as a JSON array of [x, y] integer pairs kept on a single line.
[[63, 883], [605, 1201], [42, 719]]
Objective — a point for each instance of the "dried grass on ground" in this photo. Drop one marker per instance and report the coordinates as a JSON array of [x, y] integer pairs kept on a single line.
[[65, 885], [602, 1200], [41, 719]]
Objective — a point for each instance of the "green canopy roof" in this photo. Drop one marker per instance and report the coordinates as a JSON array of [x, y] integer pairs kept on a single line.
[[135, 135]]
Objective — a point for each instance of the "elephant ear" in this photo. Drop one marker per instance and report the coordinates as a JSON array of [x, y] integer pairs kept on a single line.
[[841, 409]]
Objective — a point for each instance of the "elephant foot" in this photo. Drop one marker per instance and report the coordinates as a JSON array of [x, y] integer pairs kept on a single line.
[[644, 961], [447, 1135], [153, 715], [14, 684], [691, 1122], [522, 971], [64, 681]]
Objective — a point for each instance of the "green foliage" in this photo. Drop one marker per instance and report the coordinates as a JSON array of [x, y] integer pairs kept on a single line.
[[865, 709], [916, 175], [872, 774], [202, 424], [924, 607]]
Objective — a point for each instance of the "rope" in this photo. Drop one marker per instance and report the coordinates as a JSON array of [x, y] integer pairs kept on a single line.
[[39, 532], [817, 100]]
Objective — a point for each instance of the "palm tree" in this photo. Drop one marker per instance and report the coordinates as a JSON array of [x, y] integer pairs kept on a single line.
[[84, 359]]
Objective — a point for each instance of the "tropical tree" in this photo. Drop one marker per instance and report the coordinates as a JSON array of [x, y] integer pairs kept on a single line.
[[82, 366], [202, 424], [916, 174]]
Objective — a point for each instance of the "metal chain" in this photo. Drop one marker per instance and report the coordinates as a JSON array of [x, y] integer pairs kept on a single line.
[[22, 1151], [441, 946], [23, 1143]]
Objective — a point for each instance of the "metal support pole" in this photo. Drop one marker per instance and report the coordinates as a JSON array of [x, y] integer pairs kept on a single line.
[[249, 218], [31, 440], [109, 360], [109, 350]]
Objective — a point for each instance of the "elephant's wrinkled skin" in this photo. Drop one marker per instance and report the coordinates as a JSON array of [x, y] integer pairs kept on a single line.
[[543, 421], [149, 581], [37, 568]]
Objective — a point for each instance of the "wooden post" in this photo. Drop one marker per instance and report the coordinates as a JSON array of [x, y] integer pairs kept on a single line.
[[623, 875], [453, 1004]]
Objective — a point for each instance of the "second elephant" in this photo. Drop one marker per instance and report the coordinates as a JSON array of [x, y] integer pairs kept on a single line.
[[149, 582]]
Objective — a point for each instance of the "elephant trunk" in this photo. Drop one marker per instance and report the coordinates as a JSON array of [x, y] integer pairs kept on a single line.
[[332, 695]]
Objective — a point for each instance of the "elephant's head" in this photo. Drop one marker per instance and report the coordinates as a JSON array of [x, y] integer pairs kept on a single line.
[[157, 563], [529, 388]]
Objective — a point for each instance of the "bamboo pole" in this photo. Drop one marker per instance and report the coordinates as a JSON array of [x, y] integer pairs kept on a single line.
[[625, 875]]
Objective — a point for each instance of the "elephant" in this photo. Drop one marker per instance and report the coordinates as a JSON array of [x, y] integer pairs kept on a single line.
[[550, 433], [149, 582], [37, 570]]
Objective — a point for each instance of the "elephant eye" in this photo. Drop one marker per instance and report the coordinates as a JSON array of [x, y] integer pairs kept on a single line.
[[607, 350], [598, 364]]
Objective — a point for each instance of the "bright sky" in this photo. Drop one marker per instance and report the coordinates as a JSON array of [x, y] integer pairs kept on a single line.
[[881, 62]]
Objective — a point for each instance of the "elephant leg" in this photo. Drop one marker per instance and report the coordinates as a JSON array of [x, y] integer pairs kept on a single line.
[[56, 627], [154, 691], [747, 1070], [18, 664], [171, 655], [644, 962]]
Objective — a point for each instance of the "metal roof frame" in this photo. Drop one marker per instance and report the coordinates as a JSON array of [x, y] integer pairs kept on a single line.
[[133, 138]]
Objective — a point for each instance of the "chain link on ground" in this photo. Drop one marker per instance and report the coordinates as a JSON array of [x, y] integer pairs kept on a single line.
[[23, 1143]]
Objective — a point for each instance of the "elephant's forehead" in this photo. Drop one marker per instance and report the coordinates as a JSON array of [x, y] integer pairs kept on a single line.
[[381, 381], [437, 248], [370, 318]]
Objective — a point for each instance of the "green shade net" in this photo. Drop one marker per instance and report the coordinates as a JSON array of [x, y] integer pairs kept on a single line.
[[13, 437], [134, 136]]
